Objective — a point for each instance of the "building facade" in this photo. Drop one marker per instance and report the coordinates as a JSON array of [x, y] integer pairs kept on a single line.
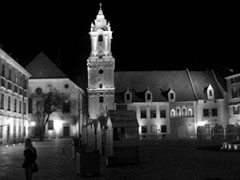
[[233, 97], [14, 124], [66, 122], [167, 103]]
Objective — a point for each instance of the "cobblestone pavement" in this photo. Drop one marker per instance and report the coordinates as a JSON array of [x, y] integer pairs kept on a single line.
[[159, 160]]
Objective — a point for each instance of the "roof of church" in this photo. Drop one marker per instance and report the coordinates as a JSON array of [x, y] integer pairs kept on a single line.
[[161, 82], [42, 67]]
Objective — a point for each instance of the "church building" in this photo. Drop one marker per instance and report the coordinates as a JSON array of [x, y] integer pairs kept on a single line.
[[167, 103]]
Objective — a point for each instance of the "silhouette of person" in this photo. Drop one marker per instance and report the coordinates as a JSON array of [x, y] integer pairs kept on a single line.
[[30, 156]]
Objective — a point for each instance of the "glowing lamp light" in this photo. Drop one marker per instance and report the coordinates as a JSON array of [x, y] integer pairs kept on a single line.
[[201, 123], [32, 123]]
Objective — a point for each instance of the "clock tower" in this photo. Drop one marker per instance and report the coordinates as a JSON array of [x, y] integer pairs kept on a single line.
[[101, 67]]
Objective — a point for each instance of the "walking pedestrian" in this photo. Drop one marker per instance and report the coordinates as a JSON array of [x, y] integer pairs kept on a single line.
[[30, 156]]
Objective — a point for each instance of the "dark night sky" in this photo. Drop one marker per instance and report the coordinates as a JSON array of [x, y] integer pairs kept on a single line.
[[146, 35]]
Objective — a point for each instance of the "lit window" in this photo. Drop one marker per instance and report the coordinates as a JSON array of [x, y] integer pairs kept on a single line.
[[190, 112], [171, 96], [178, 111], [184, 111], [172, 113], [210, 92]]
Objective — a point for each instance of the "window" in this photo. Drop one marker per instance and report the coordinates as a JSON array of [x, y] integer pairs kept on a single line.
[[163, 128], [1, 132], [210, 92], [235, 110], [153, 113], [214, 112], [184, 111], [15, 105], [2, 101], [100, 85], [154, 128], [9, 103], [144, 129], [10, 74], [234, 92], [143, 113], [19, 131], [20, 106], [163, 113], [148, 96], [178, 111], [205, 113], [3, 70], [50, 125], [24, 108], [190, 112], [171, 96], [128, 97], [100, 38], [172, 113], [30, 101], [101, 99]]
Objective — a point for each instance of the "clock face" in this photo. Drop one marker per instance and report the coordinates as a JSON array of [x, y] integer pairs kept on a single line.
[[100, 71]]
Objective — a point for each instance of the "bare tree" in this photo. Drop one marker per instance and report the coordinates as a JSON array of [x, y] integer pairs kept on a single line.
[[46, 103]]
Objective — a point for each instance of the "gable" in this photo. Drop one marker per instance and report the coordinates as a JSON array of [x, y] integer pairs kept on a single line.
[[42, 67]]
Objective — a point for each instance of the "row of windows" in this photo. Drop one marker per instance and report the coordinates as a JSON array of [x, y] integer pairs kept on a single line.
[[153, 129], [13, 75], [14, 132], [153, 113], [9, 105], [210, 112], [184, 111]]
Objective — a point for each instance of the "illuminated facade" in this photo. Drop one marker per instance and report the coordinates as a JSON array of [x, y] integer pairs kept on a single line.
[[172, 103], [13, 100], [101, 65], [68, 121], [233, 88]]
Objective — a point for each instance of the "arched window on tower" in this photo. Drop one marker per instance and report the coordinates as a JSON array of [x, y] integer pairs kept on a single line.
[[100, 38], [101, 99]]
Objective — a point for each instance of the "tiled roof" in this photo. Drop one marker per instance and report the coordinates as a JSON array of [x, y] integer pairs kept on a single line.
[[158, 82], [201, 80], [42, 67]]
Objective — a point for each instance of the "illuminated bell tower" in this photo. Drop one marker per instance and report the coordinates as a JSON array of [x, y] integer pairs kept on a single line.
[[101, 67]]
